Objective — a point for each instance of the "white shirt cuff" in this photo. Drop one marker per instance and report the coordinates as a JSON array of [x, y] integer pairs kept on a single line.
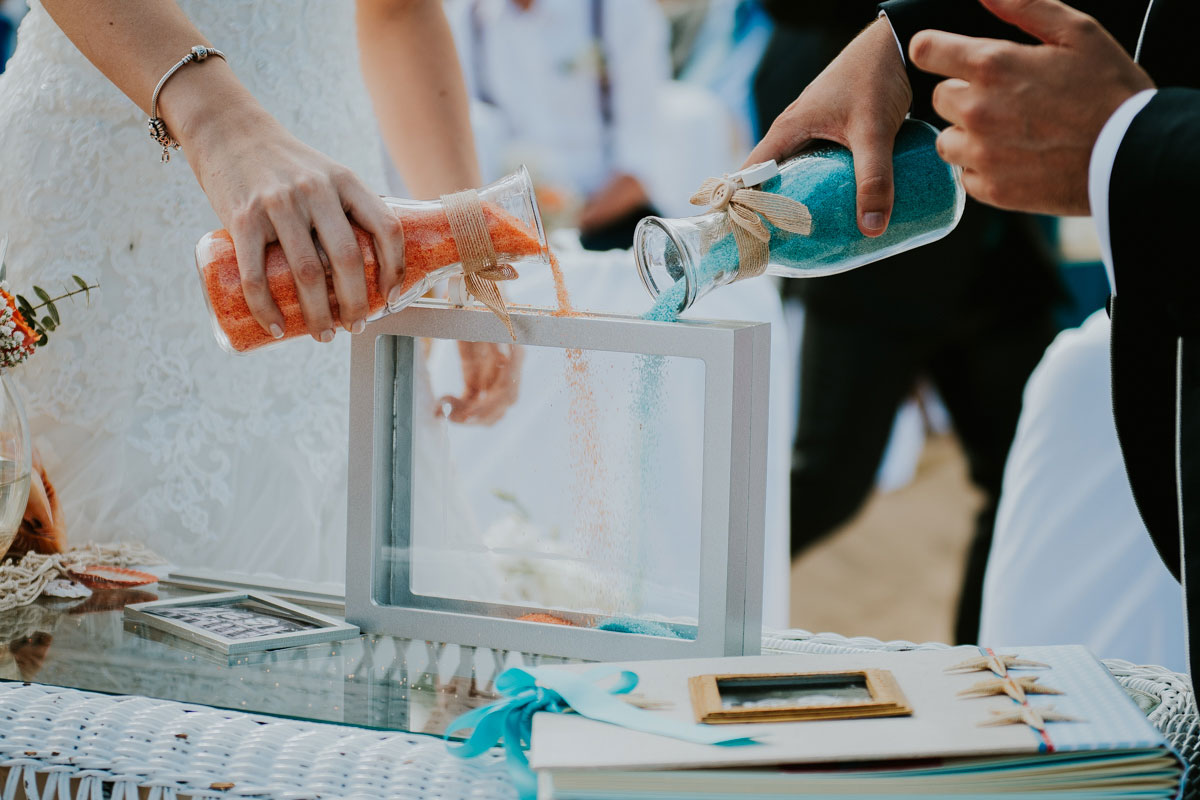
[[1104, 154], [895, 36]]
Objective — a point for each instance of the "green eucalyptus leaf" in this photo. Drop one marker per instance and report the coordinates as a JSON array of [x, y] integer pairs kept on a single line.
[[26, 309], [53, 311], [45, 337], [48, 323], [40, 292], [80, 282]]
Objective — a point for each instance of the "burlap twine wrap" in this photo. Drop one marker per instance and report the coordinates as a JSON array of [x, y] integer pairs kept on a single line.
[[745, 210], [481, 269]]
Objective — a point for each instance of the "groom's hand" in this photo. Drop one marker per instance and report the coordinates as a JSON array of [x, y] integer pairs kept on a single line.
[[858, 101], [1024, 118]]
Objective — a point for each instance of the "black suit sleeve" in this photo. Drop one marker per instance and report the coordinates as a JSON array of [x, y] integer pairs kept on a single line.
[[1158, 291], [1122, 18], [1151, 219]]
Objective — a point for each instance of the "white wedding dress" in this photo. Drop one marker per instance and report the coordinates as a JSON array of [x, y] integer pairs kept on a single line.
[[148, 429]]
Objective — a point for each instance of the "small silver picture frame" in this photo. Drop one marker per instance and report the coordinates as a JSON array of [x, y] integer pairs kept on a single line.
[[735, 358], [236, 623]]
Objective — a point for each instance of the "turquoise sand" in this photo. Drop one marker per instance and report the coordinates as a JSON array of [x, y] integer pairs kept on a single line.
[[926, 203], [646, 627]]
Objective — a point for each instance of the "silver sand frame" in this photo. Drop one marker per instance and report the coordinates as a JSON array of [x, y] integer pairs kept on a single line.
[[736, 358]]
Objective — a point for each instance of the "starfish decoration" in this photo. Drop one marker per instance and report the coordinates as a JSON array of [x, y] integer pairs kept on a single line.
[[1016, 688], [1000, 665], [639, 700], [1027, 715]]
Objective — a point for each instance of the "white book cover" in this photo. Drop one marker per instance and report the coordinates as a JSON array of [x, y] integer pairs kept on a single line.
[[943, 725]]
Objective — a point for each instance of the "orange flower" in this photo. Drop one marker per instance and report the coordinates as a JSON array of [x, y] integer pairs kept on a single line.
[[31, 336]]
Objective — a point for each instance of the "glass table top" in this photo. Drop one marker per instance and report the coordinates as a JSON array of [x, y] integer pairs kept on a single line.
[[375, 681]]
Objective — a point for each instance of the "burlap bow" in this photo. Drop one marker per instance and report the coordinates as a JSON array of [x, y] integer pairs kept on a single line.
[[746, 210], [481, 268]]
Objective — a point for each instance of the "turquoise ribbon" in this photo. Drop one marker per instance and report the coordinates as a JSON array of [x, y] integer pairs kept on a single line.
[[557, 691]]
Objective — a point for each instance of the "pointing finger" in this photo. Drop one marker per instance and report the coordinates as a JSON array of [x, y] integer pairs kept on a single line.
[[1048, 21], [957, 56]]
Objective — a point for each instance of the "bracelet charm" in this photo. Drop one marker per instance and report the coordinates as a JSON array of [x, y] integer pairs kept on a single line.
[[158, 127]]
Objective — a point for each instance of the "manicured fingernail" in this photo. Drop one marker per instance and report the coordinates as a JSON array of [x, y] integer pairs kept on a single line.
[[394, 295], [358, 327], [276, 331], [327, 336], [873, 220]]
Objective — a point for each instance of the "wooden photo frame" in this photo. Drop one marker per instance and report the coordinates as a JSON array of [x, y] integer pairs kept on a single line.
[[795, 697]]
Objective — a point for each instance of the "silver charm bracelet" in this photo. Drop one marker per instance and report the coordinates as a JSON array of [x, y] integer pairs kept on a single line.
[[158, 128]]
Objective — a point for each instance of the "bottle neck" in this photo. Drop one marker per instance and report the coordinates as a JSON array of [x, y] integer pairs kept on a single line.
[[673, 258]]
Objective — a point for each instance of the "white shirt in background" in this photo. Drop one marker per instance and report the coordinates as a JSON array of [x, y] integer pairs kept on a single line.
[[539, 68], [1071, 560]]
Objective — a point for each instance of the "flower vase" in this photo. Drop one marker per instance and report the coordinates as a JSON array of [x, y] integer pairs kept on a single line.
[[16, 462]]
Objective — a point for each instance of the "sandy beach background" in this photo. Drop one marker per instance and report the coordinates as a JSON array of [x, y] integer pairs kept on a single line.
[[894, 570]]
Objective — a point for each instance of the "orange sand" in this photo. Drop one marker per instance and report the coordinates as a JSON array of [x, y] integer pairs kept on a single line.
[[428, 247], [549, 619], [565, 309], [587, 448]]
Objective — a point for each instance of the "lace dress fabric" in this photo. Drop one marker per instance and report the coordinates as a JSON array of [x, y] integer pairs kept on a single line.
[[152, 433]]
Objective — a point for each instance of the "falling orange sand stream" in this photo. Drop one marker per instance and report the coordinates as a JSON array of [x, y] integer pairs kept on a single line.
[[589, 468]]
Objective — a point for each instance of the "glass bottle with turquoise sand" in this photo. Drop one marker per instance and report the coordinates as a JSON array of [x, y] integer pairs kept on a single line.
[[681, 260]]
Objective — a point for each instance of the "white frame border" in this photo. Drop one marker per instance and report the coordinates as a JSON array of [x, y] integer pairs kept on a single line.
[[736, 356], [329, 629]]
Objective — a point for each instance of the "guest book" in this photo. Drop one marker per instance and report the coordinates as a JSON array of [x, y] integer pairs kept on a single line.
[[609, 505], [1054, 724]]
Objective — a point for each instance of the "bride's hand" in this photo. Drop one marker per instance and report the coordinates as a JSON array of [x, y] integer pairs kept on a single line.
[[265, 186], [491, 382]]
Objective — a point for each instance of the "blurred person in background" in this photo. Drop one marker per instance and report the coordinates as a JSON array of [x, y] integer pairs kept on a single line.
[[724, 58], [972, 313], [572, 87], [11, 12]]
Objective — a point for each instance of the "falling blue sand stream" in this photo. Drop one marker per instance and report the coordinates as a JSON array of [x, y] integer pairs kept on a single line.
[[926, 205]]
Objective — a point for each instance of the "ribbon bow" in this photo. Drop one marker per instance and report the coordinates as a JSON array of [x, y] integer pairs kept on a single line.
[[746, 210], [481, 267], [529, 691]]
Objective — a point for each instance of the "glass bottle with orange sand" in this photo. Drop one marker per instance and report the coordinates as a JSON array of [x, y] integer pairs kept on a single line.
[[431, 254]]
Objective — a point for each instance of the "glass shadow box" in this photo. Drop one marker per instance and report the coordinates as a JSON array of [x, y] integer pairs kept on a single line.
[[606, 502]]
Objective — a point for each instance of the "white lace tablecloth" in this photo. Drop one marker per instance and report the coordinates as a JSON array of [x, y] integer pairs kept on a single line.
[[65, 743]]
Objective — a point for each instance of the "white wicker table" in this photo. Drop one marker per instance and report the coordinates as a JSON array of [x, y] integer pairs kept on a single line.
[[66, 743]]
